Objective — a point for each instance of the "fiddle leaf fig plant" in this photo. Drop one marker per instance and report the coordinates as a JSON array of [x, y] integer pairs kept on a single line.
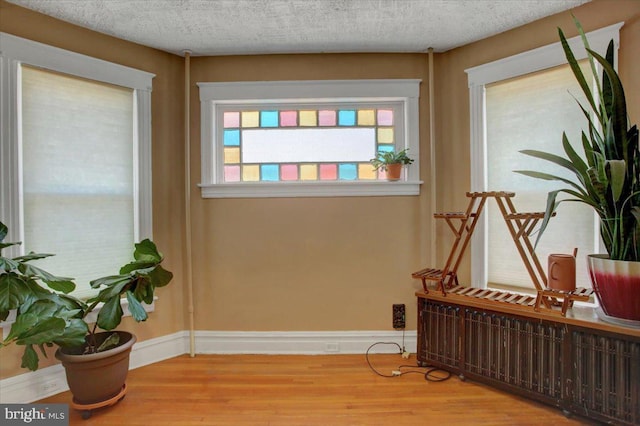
[[46, 315]]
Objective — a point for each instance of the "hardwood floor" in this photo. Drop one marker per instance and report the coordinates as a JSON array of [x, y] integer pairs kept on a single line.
[[307, 390]]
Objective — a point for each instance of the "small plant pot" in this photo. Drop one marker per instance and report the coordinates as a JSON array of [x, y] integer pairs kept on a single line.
[[394, 171], [95, 378]]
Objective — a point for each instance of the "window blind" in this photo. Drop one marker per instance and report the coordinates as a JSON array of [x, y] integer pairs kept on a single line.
[[531, 112], [77, 148]]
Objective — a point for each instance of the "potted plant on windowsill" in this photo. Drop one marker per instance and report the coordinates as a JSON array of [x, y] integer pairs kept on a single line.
[[46, 315], [608, 180], [391, 162]]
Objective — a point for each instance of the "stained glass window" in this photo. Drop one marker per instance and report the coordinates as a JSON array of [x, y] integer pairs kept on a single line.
[[307, 138], [270, 145]]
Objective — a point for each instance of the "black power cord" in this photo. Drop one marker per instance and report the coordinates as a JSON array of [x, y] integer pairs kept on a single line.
[[431, 374]]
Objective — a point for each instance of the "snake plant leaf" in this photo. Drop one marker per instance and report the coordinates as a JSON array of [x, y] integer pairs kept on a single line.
[[575, 68], [617, 173], [110, 314], [618, 109], [560, 161], [135, 307], [30, 358], [547, 176], [577, 161], [548, 214]]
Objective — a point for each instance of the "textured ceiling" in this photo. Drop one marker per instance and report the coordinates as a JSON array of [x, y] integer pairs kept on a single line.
[[230, 27]]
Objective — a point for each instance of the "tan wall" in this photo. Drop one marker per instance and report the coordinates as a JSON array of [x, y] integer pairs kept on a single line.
[[305, 263], [452, 93], [168, 169], [292, 264]]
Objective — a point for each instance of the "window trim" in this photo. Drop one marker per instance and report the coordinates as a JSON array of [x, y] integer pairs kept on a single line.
[[17, 51], [513, 66], [406, 91]]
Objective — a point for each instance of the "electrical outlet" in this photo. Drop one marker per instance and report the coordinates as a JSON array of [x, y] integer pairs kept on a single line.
[[399, 316], [50, 387], [332, 347]]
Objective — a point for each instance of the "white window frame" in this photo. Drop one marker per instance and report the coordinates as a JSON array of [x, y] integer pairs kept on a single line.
[[513, 66], [213, 95], [17, 51]]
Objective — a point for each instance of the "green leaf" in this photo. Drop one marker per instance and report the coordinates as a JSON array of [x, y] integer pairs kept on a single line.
[[617, 172], [8, 265], [547, 176], [135, 307], [109, 342], [618, 105], [47, 330], [110, 314], [21, 325], [13, 291], [32, 256], [3, 231], [62, 284], [30, 358], [147, 251], [575, 68], [160, 277], [74, 334], [110, 281]]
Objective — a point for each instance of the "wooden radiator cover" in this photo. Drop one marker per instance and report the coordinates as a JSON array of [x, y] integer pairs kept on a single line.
[[579, 365]]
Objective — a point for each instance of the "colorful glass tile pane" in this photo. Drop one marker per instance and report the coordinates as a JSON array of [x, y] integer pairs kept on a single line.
[[385, 117], [241, 127], [231, 138], [288, 118], [251, 173], [308, 118], [250, 118], [328, 172], [346, 117], [366, 117], [366, 171], [289, 171], [268, 118], [385, 135], [269, 172], [327, 118], [308, 172], [231, 119], [347, 172], [232, 173], [231, 155], [385, 148]]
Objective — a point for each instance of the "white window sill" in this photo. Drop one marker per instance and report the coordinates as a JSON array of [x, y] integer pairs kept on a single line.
[[310, 189], [91, 318]]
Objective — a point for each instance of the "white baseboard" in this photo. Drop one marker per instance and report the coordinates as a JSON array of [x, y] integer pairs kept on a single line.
[[33, 386], [301, 342]]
